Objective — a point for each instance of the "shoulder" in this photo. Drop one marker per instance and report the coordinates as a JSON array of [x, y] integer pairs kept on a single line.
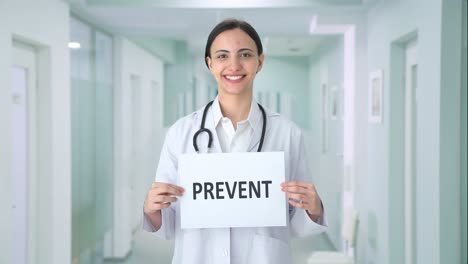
[[281, 122], [184, 124]]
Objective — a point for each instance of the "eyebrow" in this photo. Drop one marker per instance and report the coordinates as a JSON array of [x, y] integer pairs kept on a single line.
[[241, 50]]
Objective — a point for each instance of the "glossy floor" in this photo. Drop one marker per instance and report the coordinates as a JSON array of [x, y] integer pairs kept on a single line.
[[148, 249]]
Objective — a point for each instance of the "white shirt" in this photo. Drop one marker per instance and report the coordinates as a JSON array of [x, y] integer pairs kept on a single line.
[[236, 140], [231, 139], [255, 245]]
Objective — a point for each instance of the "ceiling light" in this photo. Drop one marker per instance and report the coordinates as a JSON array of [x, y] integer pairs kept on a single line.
[[313, 24], [74, 45]]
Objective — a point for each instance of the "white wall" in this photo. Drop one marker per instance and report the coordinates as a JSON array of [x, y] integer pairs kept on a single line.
[[436, 191], [133, 174], [43, 25]]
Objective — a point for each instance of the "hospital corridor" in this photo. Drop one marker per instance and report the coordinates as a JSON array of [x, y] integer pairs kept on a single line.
[[92, 93]]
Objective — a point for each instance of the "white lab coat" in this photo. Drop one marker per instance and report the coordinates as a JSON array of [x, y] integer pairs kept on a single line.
[[267, 245]]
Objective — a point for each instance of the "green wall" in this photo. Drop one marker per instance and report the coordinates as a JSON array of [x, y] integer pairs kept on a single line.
[[326, 66], [463, 137], [287, 75], [450, 113], [178, 78], [437, 141]]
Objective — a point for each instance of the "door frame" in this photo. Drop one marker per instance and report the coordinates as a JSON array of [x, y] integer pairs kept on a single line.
[[396, 214], [410, 150], [26, 56]]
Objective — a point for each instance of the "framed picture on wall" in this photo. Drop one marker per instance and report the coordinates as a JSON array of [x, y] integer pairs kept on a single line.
[[375, 104]]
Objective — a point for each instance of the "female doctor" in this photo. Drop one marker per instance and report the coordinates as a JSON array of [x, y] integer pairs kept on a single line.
[[234, 55]]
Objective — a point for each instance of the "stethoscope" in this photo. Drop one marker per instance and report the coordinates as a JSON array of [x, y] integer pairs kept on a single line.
[[210, 135]]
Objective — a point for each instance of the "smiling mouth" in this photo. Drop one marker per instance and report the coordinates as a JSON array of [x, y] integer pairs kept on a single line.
[[234, 77]]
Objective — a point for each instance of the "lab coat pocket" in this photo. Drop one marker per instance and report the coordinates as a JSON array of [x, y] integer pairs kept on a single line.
[[269, 250]]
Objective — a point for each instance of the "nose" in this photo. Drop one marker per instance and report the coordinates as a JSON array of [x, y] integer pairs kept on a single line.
[[235, 63]]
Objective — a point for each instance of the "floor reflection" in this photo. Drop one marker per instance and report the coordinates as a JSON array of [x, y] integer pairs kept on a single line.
[[147, 249]]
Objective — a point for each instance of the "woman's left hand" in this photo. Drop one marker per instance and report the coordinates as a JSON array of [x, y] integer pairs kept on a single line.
[[304, 195]]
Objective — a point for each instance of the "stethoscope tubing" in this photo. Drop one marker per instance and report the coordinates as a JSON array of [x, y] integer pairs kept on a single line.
[[210, 135]]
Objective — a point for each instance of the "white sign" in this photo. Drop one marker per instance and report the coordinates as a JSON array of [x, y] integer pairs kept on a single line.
[[232, 190]]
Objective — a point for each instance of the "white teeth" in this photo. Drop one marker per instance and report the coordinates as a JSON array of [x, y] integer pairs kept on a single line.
[[233, 78]]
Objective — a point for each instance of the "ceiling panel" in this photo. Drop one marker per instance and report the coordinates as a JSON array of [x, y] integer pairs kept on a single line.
[[285, 23]]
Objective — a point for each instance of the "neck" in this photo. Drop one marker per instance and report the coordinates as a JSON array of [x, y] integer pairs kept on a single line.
[[236, 108]]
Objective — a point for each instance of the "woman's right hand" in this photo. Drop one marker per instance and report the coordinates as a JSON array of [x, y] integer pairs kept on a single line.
[[161, 195]]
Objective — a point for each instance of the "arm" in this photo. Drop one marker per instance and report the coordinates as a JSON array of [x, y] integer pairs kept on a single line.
[[159, 215], [306, 217], [160, 196]]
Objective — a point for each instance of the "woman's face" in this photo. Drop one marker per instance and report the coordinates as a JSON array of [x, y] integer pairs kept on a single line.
[[234, 62]]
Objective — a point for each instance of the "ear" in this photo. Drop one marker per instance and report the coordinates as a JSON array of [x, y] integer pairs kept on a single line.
[[261, 58], [208, 61]]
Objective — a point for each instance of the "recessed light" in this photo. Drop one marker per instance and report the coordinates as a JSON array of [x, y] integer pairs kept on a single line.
[[74, 45]]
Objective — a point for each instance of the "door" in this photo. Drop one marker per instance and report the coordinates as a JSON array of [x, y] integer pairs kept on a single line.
[[411, 77], [23, 124]]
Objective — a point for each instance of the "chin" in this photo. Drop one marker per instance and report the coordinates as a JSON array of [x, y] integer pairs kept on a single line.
[[236, 90]]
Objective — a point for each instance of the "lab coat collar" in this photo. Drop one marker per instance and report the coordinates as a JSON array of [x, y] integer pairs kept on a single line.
[[254, 118], [257, 124], [217, 114]]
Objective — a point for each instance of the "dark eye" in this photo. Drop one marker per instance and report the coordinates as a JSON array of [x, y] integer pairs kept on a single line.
[[222, 56], [245, 55]]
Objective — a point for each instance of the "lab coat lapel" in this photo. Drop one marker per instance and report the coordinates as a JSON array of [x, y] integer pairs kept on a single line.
[[255, 141], [209, 123]]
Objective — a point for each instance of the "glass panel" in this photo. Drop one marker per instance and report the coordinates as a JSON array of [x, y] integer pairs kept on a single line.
[[103, 134], [82, 123], [92, 126]]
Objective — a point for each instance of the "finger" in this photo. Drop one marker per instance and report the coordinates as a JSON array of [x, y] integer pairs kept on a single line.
[[160, 206], [298, 197], [156, 194], [295, 189], [165, 199], [151, 207], [167, 189], [161, 184], [296, 204], [162, 198], [302, 184]]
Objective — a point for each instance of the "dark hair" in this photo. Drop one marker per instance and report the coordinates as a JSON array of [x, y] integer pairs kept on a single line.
[[229, 24]]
